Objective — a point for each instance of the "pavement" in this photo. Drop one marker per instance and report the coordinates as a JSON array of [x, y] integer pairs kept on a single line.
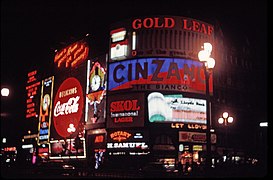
[[51, 173]]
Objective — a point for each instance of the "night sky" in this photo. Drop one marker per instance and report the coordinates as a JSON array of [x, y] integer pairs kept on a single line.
[[32, 29]]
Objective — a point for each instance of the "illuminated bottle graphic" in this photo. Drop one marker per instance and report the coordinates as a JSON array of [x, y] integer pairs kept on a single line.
[[158, 108]]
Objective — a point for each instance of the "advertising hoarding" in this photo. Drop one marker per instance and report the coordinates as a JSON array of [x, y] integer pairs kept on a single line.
[[32, 88], [175, 108], [72, 55], [195, 137], [45, 110], [159, 36], [158, 74], [125, 110], [127, 142], [68, 106], [67, 149], [67, 129], [96, 92]]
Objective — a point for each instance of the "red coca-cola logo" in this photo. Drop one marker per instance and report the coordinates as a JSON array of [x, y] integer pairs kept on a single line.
[[68, 105]]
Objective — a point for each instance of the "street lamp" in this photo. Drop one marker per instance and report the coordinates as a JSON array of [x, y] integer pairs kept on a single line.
[[71, 129], [5, 92], [208, 65], [226, 119]]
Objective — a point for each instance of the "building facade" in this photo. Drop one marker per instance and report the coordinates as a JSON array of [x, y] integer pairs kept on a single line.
[[142, 101]]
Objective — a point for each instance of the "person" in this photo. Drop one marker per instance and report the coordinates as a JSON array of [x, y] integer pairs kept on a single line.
[[187, 167], [179, 167]]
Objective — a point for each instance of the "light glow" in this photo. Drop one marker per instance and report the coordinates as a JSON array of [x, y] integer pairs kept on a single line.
[[71, 128], [5, 92], [118, 36], [225, 115], [134, 41], [210, 63], [264, 124], [221, 120], [204, 55], [230, 119]]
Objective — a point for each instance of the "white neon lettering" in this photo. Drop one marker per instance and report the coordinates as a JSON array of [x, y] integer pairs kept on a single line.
[[72, 106]]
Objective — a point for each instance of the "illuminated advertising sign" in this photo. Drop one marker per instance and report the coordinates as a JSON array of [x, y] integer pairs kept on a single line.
[[72, 55], [131, 142], [195, 137], [96, 92], [125, 110], [119, 44], [170, 22], [192, 137], [188, 126], [98, 141], [45, 110], [32, 100], [68, 106], [66, 149], [159, 36], [10, 149], [157, 74], [175, 108]]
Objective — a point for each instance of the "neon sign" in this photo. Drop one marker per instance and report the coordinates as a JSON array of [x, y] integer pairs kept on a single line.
[[170, 22], [68, 105], [188, 126], [72, 55], [120, 135], [175, 108], [125, 111], [171, 74], [141, 145], [32, 89], [45, 110], [96, 91], [119, 44], [192, 137], [130, 142]]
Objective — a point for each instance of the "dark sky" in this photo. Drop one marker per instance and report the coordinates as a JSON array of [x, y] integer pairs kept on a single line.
[[32, 29]]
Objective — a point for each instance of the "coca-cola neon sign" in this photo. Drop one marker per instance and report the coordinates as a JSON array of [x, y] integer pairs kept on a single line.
[[68, 105]]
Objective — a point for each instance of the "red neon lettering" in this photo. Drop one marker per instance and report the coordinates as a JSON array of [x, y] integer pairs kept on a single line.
[[197, 27], [148, 23], [123, 119], [153, 23], [210, 30], [157, 23], [99, 139], [171, 21], [186, 25], [128, 105], [137, 24], [203, 29]]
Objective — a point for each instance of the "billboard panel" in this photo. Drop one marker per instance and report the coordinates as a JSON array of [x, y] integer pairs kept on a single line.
[[45, 110], [32, 88], [72, 55], [96, 92], [68, 148], [157, 74], [195, 137], [125, 110], [68, 106], [159, 36], [127, 142], [175, 108], [67, 130]]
